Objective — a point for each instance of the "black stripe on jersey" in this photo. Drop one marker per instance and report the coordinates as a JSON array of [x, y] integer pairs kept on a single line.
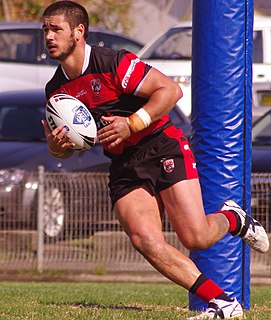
[[56, 82], [104, 60]]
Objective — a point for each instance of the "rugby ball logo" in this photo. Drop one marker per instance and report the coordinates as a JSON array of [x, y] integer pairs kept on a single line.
[[81, 116], [67, 111]]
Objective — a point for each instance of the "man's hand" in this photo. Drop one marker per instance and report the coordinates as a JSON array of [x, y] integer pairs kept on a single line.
[[115, 132], [58, 140]]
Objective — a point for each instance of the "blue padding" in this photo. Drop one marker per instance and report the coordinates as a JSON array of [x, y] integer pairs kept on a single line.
[[222, 121]]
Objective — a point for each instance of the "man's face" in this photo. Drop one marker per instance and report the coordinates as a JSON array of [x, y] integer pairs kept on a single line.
[[58, 36]]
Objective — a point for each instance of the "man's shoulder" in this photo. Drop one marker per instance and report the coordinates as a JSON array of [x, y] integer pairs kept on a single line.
[[54, 83], [107, 54], [98, 50], [104, 59]]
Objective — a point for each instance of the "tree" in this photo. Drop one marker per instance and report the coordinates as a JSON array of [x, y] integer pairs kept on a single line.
[[109, 14], [22, 10]]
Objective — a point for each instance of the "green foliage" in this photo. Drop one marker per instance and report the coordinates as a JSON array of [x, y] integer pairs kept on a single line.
[[100, 270], [22, 10], [109, 14], [29, 10]]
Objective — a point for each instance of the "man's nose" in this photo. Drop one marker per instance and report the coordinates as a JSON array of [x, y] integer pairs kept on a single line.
[[49, 35]]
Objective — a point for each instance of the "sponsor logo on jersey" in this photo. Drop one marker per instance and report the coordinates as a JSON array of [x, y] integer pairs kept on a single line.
[[81, 116], [129, 72], [168, 165], [96, 85], [80, 93]]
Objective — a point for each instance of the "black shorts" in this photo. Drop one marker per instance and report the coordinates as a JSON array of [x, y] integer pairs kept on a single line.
[[159, 161]]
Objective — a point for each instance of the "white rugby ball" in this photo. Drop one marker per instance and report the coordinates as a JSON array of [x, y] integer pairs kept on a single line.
[[69, 112]]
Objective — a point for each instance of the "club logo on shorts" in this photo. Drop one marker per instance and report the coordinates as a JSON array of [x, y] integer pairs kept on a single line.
[[96, 85], [168, 165]]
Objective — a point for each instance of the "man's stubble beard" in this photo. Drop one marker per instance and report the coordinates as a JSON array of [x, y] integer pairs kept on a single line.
[[65, 54]]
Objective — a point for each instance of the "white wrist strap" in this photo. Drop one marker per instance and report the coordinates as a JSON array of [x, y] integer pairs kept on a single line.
[[145, 117]]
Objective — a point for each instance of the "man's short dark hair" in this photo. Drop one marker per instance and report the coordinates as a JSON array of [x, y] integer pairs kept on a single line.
[[73, 12]]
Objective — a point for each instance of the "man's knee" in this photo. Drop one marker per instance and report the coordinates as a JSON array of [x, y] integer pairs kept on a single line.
[[195, 242], [147, 244]]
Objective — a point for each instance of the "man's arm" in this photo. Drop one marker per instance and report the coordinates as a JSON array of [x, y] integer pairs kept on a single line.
[[162, 94]]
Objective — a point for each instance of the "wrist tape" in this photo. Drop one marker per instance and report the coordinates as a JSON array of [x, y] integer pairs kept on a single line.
[[139, 120]]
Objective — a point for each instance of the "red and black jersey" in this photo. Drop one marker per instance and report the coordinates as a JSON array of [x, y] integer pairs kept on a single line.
[[108, 84]]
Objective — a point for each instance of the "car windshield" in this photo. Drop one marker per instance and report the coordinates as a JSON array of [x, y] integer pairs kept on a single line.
[[22, 45], [19, 46], [261, 132], [113, 41], [174, 44], [257, 47], [21, 123]]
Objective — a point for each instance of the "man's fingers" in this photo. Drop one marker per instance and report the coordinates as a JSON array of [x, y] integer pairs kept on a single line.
[[45, 127]]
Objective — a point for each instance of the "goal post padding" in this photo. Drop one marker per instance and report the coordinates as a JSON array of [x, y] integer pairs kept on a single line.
[[221, 140]]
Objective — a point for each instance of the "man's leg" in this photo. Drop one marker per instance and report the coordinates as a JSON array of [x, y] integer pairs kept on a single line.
[[184, 206], [140, 215], [183, 203]]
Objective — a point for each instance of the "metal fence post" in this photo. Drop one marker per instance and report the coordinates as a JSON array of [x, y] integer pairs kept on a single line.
[[40, 250]]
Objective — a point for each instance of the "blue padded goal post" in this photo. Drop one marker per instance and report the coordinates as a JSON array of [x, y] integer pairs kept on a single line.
[[222, 121]]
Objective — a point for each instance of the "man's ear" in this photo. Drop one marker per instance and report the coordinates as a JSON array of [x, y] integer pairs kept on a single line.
[[79, 31]]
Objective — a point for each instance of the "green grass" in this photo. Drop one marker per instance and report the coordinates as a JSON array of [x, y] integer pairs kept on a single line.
[[107, 301]]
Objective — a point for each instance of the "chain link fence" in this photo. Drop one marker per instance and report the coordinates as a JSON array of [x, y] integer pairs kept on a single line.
[[64, 221]]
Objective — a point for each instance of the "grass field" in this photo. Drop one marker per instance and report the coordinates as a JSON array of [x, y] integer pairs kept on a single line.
[[107, 301]]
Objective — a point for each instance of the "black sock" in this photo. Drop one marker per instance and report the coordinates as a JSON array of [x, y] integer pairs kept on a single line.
[[224, 296]]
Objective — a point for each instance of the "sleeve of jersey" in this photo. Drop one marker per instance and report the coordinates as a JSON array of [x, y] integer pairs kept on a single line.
[[130, 72]]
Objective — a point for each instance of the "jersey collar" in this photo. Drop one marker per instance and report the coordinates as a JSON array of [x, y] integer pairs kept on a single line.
[[86, 61]]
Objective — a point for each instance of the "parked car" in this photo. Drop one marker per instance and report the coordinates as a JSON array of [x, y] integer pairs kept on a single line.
[[261, 89], [261, 144], [171, 52], [261, 166], [23, 149], [24, 63]]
